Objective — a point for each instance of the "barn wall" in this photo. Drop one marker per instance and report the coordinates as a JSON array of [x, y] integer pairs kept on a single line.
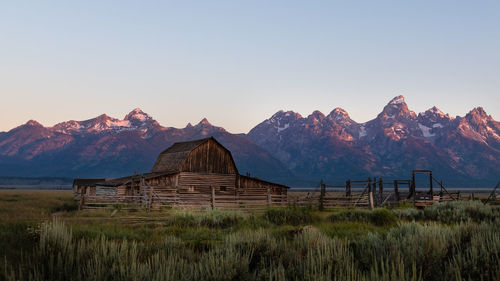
[[189, 190], [197, 179], [247, 183], [210, 157], [105, 191]]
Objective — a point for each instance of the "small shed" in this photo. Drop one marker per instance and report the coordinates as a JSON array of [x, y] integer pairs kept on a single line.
[[193, 174]]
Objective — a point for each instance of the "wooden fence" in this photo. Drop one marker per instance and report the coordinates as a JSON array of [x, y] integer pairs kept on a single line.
[[160, 197], [375, 193]]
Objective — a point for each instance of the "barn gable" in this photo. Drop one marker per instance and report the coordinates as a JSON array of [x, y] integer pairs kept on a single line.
[[200, 156]]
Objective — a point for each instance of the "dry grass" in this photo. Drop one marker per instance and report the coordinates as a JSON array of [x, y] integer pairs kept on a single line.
[[32, 205]]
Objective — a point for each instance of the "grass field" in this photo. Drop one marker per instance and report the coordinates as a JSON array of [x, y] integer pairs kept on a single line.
[[44, 237]]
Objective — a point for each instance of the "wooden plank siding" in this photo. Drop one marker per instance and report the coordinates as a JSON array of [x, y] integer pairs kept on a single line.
[[210, 157]]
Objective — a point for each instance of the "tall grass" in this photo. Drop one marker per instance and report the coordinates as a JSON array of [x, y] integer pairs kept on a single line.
[[409, 251]]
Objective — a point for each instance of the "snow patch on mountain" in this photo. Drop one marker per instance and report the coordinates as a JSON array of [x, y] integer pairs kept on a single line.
[[280, 129], [137, 114], [426, 131], [362, 131], [118, 123]]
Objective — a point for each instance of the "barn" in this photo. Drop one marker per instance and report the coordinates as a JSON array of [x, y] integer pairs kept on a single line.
[[193, 174]]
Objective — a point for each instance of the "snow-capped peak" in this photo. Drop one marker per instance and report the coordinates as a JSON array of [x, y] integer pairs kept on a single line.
[[434, 113], [137, 114], [135, 120], [398, 100], [436, 110], [397, 109], [339, 114]]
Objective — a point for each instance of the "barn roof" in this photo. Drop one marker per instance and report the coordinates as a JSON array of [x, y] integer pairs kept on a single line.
[[173, 158]]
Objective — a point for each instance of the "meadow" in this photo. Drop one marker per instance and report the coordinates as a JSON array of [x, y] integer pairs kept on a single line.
[[44, 237]]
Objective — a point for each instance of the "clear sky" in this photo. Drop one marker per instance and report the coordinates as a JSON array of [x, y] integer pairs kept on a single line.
[[238, 62]]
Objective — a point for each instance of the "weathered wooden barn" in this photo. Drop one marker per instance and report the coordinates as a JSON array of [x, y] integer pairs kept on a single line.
[[193, 174]]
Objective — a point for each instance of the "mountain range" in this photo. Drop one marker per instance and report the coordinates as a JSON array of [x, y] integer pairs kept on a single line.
[[287, 148]]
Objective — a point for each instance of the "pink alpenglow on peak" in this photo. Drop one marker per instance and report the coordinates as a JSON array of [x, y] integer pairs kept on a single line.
[[339, 114], [33, 123], [137, 114], [398, 100], [204, 122]]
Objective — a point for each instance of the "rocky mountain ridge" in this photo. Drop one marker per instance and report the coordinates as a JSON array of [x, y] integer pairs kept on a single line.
[[286, 147]]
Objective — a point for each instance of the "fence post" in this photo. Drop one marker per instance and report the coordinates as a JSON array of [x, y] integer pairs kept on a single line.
[[213, 197], [268, 197], [348, 189], [322, 196], [370, 193], [82, 198], [381, 186], [431, 189], [370, 198], [150, 197], [144, 194], [376, 196], [413, 188], [396, 190]]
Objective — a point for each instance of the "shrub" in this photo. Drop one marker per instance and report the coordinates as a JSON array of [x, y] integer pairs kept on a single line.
[[408, 214], [66, 207], [451, 212], [459, 211], [383, 217], [380, 217], [291, 215]]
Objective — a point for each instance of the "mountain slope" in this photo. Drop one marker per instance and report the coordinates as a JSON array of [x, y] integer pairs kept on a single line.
[[109, 147], [287, 147], [462, 150]]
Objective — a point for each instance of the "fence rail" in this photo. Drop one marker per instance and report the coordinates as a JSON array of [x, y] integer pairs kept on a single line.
[[157, 198]]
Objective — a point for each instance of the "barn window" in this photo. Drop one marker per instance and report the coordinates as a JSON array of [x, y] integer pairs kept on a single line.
[[191, 188], [223, 188]]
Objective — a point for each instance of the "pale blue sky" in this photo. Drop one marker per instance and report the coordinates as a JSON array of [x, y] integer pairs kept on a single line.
[[238, 62]]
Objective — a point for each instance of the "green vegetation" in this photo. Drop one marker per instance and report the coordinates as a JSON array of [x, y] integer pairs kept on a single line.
[[292, 215], [380, 217], [453, 241], [452, 212]]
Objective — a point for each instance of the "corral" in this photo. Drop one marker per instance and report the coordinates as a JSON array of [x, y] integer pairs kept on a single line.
[[375, 192], [194, 174]]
